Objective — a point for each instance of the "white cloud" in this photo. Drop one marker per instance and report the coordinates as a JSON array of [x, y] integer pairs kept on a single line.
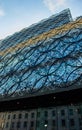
[[2, 13], [54, 5]]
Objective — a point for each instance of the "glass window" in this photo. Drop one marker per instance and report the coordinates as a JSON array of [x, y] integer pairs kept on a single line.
[[38, 114], [32, 123], [72, 123], [46, 113], [62, 112], [12, 124], [18, 124], [32, 115], [25, 124], [26, 115], [20, 116], [7, 124], [53, 123], [63, 123], [80, 121], [38, 123], [79, 110], [46, 122], [70, 111], [14, 116], [53, 113], [8, 116]]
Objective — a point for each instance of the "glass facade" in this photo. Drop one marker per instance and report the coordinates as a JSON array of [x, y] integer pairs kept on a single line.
[[44, 56]]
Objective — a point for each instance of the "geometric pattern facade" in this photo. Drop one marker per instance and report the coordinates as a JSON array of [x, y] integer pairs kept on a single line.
[[45, 55]]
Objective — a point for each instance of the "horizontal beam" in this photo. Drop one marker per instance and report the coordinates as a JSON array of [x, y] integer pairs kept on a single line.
[[47, 100]]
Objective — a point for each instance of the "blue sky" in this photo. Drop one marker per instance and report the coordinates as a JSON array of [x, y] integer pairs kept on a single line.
[[18, 14]]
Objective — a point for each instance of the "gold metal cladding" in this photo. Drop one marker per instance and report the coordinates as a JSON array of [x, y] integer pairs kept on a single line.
[[51, 33]]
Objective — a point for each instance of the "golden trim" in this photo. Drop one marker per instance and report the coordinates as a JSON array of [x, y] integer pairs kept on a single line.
[[51, 33]]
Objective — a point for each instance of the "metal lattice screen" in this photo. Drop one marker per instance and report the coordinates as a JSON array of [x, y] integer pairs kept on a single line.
[[49, 60]]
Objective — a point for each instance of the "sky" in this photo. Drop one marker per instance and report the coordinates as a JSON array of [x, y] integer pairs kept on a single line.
[[18, 14]]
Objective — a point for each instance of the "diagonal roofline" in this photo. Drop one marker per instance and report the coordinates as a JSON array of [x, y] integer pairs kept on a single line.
[[50, 33]]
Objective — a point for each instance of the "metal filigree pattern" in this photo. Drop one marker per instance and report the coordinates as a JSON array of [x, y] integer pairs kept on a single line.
[[50, 60]]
